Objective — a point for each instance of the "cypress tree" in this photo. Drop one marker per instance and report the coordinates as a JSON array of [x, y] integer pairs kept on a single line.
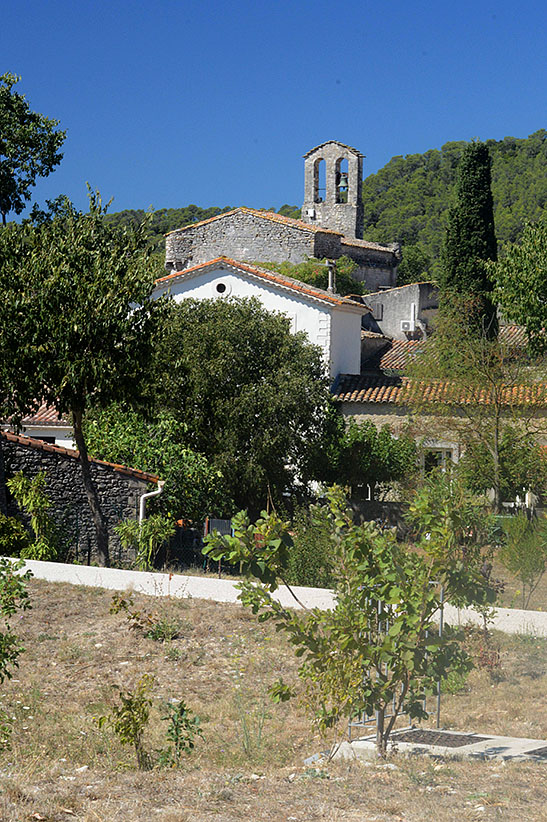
[[470, 241]]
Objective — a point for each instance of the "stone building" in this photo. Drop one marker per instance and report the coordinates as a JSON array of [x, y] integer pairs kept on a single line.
[[331, 227], [119, 490]]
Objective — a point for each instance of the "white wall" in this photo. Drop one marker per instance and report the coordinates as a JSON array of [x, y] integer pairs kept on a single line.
[[345, 349], [312, 318]]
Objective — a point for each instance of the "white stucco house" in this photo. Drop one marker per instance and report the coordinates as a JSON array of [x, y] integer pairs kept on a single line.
[[330, 321]]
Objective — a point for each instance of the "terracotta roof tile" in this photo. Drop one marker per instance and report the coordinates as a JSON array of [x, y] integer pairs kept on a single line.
[[402, 390], [264, 215], [367, 244], [270, 276], [39, 445], [45, 415]]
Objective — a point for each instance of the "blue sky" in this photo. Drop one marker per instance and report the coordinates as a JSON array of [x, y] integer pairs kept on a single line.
[[168, 103]]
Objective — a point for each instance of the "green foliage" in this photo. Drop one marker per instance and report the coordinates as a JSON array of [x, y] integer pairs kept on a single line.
[[415, 266], [182, 731], [524, 552], [13, 597], [315, 272], [30, 495], [157, 444], [310, 559], [149, 623], [408, 199], [520, 281], [251, 394], [145, 538], [130, 719], [29, 146], [452, 524], [13, 537], [522, 465], [77, 327], [359, 454], [470, 237], [379, 643]]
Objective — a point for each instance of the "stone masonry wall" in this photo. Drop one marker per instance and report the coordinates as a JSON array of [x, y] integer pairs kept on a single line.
[[119, 490], [241, 236]]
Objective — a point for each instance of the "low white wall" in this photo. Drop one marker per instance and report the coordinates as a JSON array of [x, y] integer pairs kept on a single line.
[[509, 620]]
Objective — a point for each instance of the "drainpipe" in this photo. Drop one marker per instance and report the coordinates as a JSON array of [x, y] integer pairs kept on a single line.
[[144, 497]]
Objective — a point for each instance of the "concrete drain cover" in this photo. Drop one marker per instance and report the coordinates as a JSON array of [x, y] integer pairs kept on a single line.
[[422, 736]]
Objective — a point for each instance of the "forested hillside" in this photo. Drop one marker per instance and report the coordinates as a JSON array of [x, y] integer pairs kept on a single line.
[[408, 198]]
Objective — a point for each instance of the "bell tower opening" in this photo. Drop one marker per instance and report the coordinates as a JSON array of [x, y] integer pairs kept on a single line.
[[320, 180], [342, 180]]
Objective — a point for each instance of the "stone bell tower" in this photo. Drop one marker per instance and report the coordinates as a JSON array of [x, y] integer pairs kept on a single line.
[[333, 177]]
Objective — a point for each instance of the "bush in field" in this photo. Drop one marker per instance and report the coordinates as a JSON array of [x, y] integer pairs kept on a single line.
[[378, 649], [524, 552], [311, 558]]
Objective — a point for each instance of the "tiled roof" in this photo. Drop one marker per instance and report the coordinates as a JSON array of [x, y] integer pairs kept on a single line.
[[326, 143], [270, 276], [45, 415], [514, 336], [396, 357], [264, 215], [402, 390], [38, 445], [367, 244]]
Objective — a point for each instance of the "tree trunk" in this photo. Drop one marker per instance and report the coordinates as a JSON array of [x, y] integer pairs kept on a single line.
[[496, 455], [380, 741], [99, 521], [3, 500]]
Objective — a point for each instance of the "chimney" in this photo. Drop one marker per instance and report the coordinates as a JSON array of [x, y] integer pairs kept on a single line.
[[331, 288]]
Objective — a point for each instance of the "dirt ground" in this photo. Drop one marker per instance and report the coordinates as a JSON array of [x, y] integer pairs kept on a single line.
[[250, 765]]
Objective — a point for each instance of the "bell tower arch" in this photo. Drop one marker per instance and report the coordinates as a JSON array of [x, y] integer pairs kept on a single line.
[[333, 177]]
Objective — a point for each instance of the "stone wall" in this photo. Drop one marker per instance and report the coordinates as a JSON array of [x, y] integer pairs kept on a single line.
[[119, 490], [240, 235], [325, 207]]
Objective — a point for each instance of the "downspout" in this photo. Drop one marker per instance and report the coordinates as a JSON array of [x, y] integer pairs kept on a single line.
[[144, 497]]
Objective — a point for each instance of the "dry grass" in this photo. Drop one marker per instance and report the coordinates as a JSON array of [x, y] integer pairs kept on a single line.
[[61, 766]]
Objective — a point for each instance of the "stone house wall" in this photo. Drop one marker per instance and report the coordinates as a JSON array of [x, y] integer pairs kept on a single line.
[[119, 491]]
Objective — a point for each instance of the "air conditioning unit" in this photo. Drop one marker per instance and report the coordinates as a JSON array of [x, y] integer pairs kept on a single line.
[[310, 212], [407, 326]]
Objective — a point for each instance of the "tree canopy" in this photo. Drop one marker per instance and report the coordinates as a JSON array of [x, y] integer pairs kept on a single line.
[[29, 147], [520, 282], [251, 394], [470, 241], [77, 327]]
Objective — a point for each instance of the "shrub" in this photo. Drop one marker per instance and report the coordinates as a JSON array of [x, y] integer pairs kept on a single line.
[[145, 538], [30, 495], [310, 560], [13, 537]]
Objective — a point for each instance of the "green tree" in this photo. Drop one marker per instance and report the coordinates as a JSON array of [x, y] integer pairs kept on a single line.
[[379, 645], [29, 147], [520, 281], [524, 552], [157, 443], [357, 455], [315, 272], [480, 393], [251, 394], [471, 240], [76, 322]]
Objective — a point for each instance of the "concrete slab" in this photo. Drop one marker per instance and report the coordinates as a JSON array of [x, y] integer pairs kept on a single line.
[[474, 746]]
